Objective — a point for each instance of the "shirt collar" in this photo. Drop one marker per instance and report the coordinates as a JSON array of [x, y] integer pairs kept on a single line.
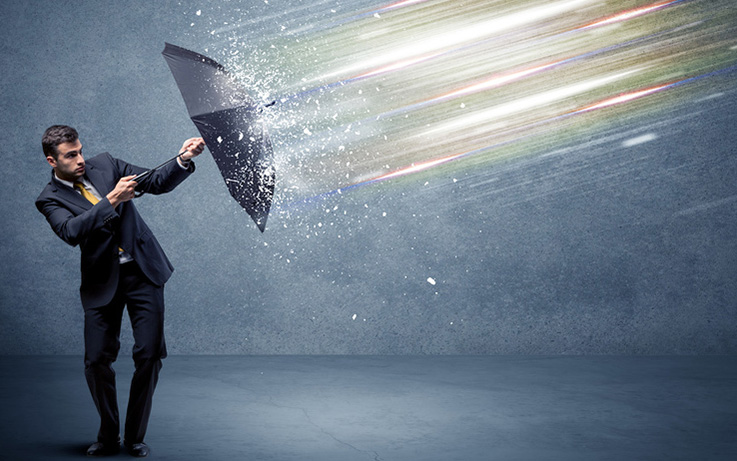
[[82, 179]]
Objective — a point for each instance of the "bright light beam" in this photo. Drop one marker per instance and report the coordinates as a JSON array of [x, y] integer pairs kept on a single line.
[[527, 103], [502, 79], [394, 6], [621, 99], [629, 14], [417, 49]]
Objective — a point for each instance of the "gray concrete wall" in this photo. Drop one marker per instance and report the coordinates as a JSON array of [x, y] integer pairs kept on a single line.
[[590, 247]]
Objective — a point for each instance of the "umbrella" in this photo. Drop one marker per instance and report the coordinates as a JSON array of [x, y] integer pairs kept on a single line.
[[230, 123]]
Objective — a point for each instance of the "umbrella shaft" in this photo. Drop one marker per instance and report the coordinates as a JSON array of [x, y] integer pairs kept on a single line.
[[146, 173]]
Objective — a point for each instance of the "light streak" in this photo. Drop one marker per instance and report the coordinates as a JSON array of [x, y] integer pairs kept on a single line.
[[377, 12], [629, 14], [527, 103], [394, 6], [511, 77], [415, 168], [404, 92], [500, 80], [395, 66], [495, 82], [622, 98], [418, 48], [503, 79]]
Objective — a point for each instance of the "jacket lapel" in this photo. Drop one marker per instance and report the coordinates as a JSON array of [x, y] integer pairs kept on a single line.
[[68, 194], [97, 179]]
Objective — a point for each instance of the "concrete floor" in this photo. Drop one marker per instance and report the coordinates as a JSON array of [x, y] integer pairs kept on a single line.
[[400, 408]]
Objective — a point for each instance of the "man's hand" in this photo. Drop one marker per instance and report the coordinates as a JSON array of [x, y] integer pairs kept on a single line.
[[191, 148], [125, 190]]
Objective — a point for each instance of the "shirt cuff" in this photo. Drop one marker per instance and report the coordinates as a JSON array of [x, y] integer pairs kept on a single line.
[[183, 165]]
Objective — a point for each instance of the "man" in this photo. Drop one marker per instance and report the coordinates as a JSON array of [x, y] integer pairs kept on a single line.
[[88, 203]]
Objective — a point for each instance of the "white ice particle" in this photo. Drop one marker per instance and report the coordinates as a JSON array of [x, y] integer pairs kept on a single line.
[[199, 13], [354, 316], [220, 139], [431, 281]]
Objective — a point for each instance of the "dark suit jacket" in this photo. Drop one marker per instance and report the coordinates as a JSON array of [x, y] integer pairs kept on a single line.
[[99, 230]]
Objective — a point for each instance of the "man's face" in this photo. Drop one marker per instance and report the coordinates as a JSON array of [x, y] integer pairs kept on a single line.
[[69, 163]]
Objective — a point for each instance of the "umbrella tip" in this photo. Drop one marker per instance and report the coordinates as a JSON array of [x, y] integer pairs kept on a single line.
[[260, 220]]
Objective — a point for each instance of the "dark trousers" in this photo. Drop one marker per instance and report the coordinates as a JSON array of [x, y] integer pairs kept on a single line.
[[145, 303]]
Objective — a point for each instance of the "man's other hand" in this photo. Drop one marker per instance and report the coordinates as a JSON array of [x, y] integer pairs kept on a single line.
[[125, 190], [191, 148]]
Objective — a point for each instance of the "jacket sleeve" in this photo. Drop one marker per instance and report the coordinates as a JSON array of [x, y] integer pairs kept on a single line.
[[75, 229], [161, 181]]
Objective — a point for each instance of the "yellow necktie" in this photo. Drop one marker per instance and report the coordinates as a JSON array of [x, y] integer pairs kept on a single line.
[[85, 193], [90, 198]]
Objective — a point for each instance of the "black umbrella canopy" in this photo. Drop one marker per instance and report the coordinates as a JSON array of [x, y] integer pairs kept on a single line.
[[230, 123]]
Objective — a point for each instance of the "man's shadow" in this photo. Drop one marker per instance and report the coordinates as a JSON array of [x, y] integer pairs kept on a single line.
[[68, 450]]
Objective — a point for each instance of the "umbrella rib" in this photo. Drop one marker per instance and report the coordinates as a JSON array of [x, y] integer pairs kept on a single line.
[[227, 109]]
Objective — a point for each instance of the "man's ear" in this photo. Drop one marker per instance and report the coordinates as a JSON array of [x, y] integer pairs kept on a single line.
[[52, 161]]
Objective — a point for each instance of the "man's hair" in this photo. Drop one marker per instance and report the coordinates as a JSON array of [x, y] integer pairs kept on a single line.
[[55, 135]]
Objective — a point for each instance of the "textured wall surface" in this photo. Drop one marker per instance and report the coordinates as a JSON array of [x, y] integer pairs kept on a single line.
[[621, 241]]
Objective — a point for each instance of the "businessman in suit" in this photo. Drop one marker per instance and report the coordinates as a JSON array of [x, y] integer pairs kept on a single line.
[[88, 203]]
